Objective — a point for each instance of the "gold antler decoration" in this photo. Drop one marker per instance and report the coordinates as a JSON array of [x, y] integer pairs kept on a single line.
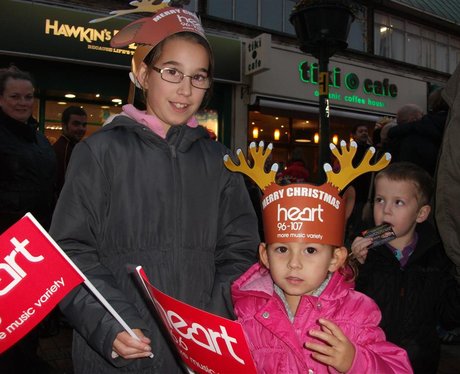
[[143, 6], [257, 172], [347, 172]]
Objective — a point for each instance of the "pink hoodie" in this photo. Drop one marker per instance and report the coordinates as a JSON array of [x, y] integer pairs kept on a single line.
[[277, 344]]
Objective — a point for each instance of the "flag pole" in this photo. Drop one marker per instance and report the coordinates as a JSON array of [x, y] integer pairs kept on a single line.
[[87, 282]]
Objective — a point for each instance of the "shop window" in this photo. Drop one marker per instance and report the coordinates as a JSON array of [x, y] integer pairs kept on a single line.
[[209, 118], [298, 135], [269, 14], [357, 35], [274, 15], [246, 11], [413, 50], [441, 55], [454, 54], [389, 38], [221, 9], [405, 41]]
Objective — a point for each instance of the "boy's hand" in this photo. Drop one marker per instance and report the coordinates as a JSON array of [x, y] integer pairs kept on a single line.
[[127, 347], [360, 247], [338, 351]]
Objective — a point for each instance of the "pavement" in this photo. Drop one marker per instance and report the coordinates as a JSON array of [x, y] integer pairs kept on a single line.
[[56, 350]]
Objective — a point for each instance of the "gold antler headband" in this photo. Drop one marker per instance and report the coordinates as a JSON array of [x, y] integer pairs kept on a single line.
[[340, 179], [347, 172], [257, 172]]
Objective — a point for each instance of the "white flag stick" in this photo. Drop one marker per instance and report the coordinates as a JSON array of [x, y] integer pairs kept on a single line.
[[87, 282]]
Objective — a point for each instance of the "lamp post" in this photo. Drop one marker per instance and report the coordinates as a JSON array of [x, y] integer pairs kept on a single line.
[[322, 28]]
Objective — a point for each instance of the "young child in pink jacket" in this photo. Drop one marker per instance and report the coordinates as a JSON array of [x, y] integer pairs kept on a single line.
[[297, 306]]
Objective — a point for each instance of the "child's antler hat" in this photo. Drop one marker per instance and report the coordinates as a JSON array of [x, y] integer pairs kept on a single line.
[[149, 31], [303, 212]]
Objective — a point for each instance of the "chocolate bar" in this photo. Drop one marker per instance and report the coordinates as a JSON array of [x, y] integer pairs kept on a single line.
[[381, 234]]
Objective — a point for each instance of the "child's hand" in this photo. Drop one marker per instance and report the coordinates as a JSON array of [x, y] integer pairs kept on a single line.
[[338, 351], [127, 347], [359, 248]]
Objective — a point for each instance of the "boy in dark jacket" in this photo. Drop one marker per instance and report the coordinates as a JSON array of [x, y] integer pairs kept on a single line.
[[410, 277]]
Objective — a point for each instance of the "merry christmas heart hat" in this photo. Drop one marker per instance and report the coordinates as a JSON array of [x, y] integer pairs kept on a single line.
[[304, 212], [147, 32]]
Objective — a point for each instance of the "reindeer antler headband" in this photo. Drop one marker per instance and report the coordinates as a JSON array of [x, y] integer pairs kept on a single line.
[[305, 212]]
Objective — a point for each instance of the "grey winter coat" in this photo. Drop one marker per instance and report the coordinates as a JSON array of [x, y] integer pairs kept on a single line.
[[447, 202], [169, 205]]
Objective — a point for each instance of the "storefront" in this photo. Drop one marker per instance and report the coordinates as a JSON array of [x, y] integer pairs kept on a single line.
[[283, 99], [68, 55]]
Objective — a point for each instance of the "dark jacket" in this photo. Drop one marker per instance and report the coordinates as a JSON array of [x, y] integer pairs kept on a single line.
[[63, 148], [27, 172], [415, 299], [419, 141], [131, 197]]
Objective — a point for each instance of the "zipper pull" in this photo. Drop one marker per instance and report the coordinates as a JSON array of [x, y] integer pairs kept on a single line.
[[173, 150]]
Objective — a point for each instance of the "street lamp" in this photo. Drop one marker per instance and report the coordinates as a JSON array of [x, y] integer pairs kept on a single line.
[[322, 28]]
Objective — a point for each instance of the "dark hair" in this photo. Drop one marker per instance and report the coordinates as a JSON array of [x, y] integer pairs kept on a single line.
[[76, 110], [349, 269], [410, 172], [14, 73], [357, 126], [155, 54], [436, 102]]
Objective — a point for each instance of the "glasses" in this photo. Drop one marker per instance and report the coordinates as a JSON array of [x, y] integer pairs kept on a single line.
[[173, 75]]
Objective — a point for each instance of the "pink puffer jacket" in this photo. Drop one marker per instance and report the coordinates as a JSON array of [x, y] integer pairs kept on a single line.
[[277, 345]]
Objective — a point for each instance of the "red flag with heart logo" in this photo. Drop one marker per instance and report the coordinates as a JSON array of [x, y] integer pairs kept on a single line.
[[206, 343], [35, 274]]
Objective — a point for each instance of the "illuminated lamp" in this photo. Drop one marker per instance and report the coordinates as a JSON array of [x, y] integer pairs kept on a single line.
[[316, 138], [335, 139]]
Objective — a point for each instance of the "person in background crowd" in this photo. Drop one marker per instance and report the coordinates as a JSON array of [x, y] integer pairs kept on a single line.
[[410, 277], [376, 134], [360, 135], [150, 188], [27, 184], [295, 172], [448, 174], [27, 160], [384, 146], [73, 130], [408, 113], [447, 199], [361, 185], [417, 137]]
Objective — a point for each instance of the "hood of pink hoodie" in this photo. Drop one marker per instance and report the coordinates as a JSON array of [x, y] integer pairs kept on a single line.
[[151, 121]]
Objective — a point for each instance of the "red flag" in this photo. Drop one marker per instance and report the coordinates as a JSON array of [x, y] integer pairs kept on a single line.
[[35, 274], [207, 343]]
